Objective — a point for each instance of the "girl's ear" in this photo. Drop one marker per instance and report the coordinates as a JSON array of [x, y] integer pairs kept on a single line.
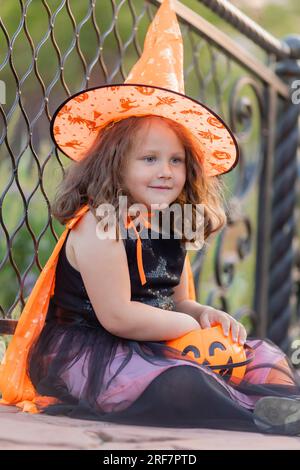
[[191, 283]]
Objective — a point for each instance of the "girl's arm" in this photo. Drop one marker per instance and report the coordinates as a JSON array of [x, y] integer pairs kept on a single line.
[[104, 270], [141, 322]]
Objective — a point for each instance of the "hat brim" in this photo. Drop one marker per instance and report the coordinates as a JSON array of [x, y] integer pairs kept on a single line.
[[77, 121]]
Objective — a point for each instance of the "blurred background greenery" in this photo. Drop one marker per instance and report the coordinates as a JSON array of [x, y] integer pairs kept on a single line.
[[28, 152]]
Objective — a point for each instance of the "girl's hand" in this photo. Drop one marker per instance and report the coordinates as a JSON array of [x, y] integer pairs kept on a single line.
[[210, 316]]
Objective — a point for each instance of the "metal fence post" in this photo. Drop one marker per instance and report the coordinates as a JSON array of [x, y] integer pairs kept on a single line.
[[282, 255]]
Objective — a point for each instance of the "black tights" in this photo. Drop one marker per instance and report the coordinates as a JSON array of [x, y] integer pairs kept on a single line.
[[183, 396]]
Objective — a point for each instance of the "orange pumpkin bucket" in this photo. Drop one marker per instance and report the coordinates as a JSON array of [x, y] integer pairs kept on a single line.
[[211, 348]]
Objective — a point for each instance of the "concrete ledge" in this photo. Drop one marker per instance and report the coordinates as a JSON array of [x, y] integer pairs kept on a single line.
[[20, 430]]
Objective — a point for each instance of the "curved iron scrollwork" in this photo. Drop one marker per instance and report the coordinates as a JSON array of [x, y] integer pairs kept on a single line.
[[225, 269], [285, 174], [245, 112], [239, 86], [242, 119]]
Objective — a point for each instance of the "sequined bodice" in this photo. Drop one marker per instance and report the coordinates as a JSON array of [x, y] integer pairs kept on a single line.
[[163, 261]]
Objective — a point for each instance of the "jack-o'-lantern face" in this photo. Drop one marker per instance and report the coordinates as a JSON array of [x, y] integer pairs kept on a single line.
[[211, 348]]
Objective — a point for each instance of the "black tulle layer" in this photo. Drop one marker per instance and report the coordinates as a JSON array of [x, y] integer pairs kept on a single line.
[[180, 396], [150, 383]]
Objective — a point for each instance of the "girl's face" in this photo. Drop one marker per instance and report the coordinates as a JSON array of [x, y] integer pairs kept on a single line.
[[157, 160]]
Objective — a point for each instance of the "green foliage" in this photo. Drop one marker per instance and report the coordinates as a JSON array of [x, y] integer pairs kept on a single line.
[[26, 235], [31, 234]]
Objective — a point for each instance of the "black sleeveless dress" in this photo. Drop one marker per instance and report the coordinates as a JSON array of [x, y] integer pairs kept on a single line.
[[97, 375]]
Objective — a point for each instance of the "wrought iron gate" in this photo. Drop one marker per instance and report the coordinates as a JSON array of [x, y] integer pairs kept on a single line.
[[51, 49]]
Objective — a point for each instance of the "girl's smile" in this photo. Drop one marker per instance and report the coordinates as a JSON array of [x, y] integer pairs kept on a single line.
[[159, 187]]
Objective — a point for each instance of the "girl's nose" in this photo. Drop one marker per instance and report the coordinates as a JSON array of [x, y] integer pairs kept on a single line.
[[165, 171]]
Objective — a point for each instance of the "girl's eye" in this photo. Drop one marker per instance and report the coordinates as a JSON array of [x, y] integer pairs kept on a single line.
[[152, 158], [149, 158], [179, 160]]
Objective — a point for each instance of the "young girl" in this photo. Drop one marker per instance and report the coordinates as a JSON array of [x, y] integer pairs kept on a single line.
[[94, 341]]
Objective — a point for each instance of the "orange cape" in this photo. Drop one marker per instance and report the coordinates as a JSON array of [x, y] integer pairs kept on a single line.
[[15, 385]]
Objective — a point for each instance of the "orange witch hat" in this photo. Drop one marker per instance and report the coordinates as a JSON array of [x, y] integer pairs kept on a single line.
[[15, 385], [154, 86]]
